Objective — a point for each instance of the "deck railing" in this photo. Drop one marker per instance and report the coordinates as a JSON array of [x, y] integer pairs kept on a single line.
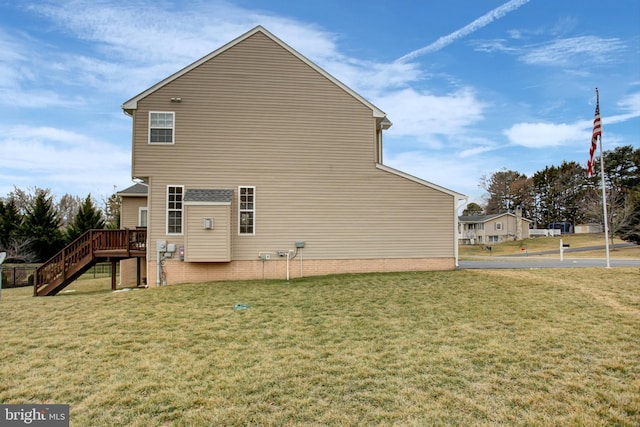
[[84, 251]]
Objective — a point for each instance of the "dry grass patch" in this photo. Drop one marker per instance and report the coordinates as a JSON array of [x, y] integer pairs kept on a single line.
[[542, 244], [533, 347]]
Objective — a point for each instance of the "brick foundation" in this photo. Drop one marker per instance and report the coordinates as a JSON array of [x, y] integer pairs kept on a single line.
[[187, 272]]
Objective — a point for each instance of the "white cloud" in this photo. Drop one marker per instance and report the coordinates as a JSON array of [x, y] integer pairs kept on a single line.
[[473, 152], [631, 104], [58, 158], [422, 114], [543, 135], [442, 169], [574, 51], [496, 45], [147, 42]]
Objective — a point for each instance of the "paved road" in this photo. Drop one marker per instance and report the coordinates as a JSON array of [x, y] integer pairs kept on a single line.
[[533, 261], [539, 262]]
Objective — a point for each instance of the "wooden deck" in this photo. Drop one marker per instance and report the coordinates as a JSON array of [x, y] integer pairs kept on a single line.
[[92, 247]]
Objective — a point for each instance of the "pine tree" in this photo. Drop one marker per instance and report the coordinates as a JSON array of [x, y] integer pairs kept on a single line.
[[88, 217], [10, 220], [41, 227]]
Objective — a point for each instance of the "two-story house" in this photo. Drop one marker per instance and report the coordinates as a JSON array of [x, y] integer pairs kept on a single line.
[[257, 163], [495, 228]]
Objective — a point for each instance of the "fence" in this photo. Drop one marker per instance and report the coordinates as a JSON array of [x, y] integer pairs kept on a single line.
[[14, 276], [536, 232]]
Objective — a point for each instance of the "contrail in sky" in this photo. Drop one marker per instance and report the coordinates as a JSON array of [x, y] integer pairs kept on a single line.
[[484, 20]]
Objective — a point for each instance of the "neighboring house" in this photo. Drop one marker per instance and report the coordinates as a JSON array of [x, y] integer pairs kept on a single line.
[[133, 215], [487, 229], [259, 164]]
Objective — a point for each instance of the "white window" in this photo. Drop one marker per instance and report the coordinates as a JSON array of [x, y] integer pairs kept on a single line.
[[143, 214], [174, 209], [246, 210], [498, 226], [161, 127], [494, 239]]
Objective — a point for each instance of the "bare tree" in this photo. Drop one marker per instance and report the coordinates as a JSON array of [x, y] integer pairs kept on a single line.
[[19, 250], [24, 199], [111, 210], [67, 209]]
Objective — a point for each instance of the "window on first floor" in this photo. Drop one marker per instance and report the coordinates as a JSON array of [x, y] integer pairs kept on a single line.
[[246, 210], [493, 239], [161, 127], [143, 214], [174, 209]]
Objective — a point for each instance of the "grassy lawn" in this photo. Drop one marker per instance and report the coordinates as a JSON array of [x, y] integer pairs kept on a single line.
[[503, 347], [540, 244]]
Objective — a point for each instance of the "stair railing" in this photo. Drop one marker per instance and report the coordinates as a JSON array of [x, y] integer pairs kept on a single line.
[[82, 251]]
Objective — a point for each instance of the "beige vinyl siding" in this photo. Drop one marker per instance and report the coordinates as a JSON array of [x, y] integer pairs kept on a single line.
[[381, 216], [253, 102], [204, 245], [129, 210], [256, 115]]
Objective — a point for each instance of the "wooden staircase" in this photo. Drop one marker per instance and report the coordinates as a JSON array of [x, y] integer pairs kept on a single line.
[[80, 255]]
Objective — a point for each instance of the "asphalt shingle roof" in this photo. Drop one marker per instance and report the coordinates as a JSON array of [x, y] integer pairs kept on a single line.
[[208, 195], [135, 190]]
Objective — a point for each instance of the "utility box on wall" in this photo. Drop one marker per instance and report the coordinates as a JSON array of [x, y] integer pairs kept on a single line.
[[161, 245]]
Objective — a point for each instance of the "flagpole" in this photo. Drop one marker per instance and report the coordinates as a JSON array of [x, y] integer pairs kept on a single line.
[[604, 194]]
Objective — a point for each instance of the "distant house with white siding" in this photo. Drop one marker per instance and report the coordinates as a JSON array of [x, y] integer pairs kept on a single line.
[[259, 164]]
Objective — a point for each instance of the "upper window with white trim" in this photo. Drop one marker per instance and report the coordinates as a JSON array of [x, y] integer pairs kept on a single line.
[[246, 210], [161, 127], [174, 208]]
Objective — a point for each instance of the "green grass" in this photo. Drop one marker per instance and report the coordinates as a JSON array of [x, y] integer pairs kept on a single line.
[[504, 347]]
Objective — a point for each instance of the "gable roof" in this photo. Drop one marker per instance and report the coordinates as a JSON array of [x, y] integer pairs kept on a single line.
[[136, 190], [132, 104], [485, 218]]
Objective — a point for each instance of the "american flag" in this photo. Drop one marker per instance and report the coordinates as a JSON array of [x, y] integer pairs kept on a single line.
[[597, 132]]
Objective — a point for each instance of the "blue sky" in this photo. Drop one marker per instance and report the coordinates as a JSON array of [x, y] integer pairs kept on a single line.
[[470, 86]]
